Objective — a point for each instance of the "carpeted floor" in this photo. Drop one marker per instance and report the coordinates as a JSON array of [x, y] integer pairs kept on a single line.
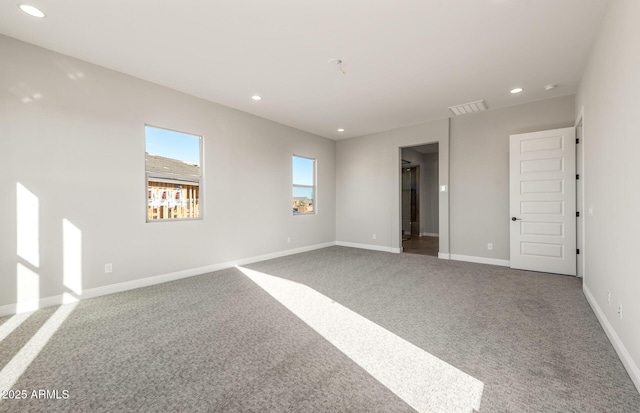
[[220, 342]]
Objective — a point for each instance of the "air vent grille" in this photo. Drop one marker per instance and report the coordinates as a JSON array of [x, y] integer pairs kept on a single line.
[[471, 107]]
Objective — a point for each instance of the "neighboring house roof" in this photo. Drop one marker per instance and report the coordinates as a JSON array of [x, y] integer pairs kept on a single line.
[[155, 163], [301, 199]]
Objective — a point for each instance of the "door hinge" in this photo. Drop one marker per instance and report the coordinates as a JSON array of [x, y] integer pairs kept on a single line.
[[577, 140], [577, 214], [578, 251], [577, 176]]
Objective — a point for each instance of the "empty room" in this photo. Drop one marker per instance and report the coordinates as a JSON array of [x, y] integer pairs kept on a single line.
[[320, 207]]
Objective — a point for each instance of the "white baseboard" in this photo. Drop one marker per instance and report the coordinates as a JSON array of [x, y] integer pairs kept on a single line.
[[429, 234], [480, 260], [11, 309], [618, 345], [444, 255], [368, 247]]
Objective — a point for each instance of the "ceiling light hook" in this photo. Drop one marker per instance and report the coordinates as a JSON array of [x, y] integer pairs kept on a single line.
[[338, 63]]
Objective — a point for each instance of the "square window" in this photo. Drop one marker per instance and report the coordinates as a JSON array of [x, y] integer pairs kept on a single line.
[[173, 165]]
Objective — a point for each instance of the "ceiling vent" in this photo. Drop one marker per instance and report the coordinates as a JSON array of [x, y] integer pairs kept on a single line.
[[471, 107]]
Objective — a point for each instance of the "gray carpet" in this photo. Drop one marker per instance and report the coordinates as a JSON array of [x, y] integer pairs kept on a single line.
[[219, 342]]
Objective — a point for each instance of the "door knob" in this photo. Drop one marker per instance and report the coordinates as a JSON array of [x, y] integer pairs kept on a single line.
[[516, 219]]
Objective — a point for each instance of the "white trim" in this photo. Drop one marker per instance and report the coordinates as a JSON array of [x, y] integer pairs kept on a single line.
[[444, 255], [11, 309], [368, 247], [480, 260], [429, 234], [618, 345]]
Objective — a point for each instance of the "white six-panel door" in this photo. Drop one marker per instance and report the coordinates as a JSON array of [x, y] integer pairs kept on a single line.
[[542, 191]]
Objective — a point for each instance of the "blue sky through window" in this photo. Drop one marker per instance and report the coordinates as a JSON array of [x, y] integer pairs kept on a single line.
[[171, 144], [302, 171]]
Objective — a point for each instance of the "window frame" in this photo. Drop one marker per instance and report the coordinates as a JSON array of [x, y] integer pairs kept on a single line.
[[314, 187], [176, 177]]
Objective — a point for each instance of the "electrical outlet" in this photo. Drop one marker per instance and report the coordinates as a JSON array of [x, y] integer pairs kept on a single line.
[[288, 240], [490, 246], [609, 297], [620, 310], [375, 236], [108, 268]]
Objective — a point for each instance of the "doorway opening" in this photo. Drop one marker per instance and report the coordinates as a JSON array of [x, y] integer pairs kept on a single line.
[[420, 200]]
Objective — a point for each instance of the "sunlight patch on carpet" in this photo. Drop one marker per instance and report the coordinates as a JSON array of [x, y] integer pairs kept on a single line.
[[11, 324], [422, 380], [21, 361]]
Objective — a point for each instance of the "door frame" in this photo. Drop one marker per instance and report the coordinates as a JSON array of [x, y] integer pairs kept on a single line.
[[580, 203]]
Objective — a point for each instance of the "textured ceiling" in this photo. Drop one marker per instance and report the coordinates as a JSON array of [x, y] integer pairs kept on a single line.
[[406, 61]]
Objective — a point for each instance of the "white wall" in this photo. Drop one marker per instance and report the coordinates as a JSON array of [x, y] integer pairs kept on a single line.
[[479, 168], [78, 147], [368, 185], [609, 93]]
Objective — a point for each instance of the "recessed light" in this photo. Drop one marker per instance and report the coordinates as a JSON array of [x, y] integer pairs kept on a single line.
[[340, 130], [256, 97], [550, 87], [516, 90], [31, 11]]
